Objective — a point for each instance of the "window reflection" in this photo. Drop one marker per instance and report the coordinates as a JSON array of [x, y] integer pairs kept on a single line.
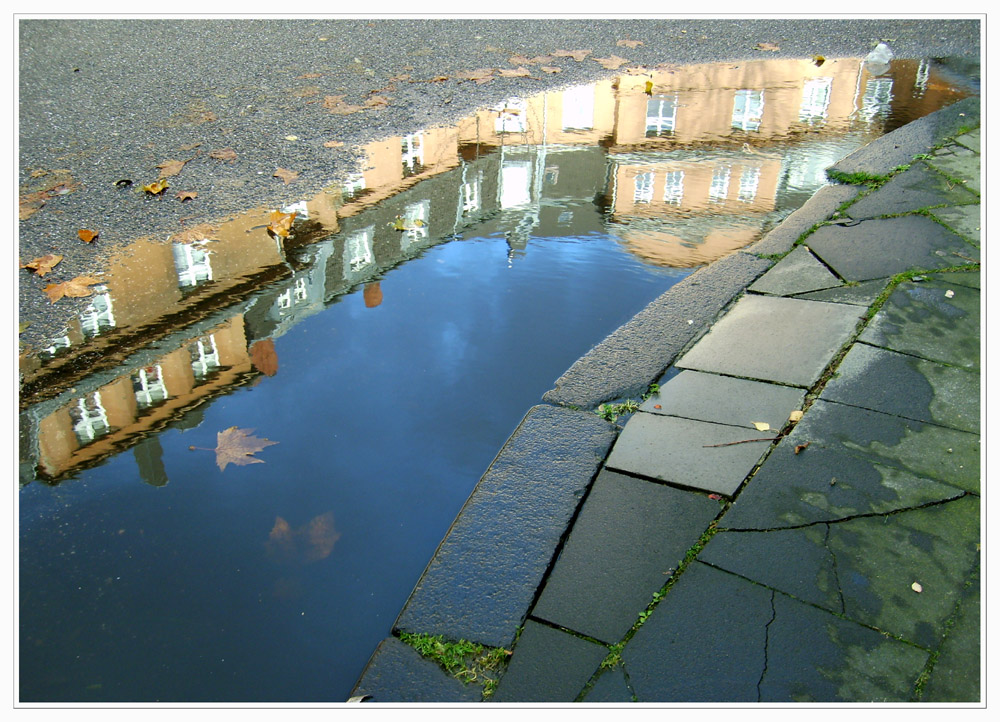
[[748, 109], [719, 190], [413, 153], [98, 316], [749, 181], [149, 387], [204, 357], [815, 100], [661, 115], [673, 190], [192, 263], [512, 116], [578, 108], [877, 99], [643, 188], [358, 253], [90, 420]]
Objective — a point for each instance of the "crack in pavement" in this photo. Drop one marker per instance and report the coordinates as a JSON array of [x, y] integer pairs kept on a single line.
[[767, 639], [836, 573]]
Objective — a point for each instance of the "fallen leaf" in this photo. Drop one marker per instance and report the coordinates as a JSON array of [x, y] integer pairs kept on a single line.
[[170, 167], [612, 63], [310, 75], [286, 175], [332, 144], [795, 415], [187, 195], [263, 357], [629, 43], [949, 293], [481, 75], [818, 60], [156, 188], [227, 154], [714, 497], [43, 265], [649, 87], [550, 69], [30, 203], [190, 146], [766, 46], [916, 587], [520, 72], [87, 236], [657, 406], [238, 446], [23, 326], [761, 425], [281, 223], [358, 699], [802, 447], [577, 55], [291, 137], [376, 101], [435, 79], [74, 288]]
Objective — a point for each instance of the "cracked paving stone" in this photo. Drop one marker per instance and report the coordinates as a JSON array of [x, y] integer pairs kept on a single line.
[[918, 187], [548, 665], [398, 673], [860, 294], [966, 221], [894, 383], [798, 272], [959, 163], [610, 687], [924, 450], [956, 676], [931, 319], [864, 567], [883, 247], [820, 484]]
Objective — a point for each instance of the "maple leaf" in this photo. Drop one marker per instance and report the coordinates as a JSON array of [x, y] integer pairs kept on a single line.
[[281, 223], [577, 55], [187, 195], [43, 265], [87, 236], [629, 43], [550, 69], [238, 446], [170, 167], [74, 288], [480, 75], [227, 154], [286, 175], [612, 63], [156, 188], [336, 105], [520, 72], [766, 46]]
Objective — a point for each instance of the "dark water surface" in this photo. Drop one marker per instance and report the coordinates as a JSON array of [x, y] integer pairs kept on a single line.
[[389, 354]]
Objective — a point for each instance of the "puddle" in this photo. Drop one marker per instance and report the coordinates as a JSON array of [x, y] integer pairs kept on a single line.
[[389, 345]]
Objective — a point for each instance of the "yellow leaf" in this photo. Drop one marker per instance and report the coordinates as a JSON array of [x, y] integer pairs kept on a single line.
[[818, 60], [761, 425], [916, 587], [795, 415], [281, 223], [156, 188]]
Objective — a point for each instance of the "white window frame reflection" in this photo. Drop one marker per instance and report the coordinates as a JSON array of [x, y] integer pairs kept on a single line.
[[358, 249], [99, 314], [748, 109], [661, 115], [416, 216], [749, 183], [922, 77], [90, 420], [149, 386], [877, 98], [515, 184], [204, 356], [471, 194], [643, 192], [815, 100], [578, 108], [193, 264], [512, 116], [673, 187], [718, 191], [412, 147]]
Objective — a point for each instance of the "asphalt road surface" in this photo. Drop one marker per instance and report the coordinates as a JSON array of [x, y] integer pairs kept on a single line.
[[103, 101]]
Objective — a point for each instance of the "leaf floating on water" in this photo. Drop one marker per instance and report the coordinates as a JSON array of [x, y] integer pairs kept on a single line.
[[87, 236], [263, 356], [74, 288], [43, 265], [227, 154], [281, 223], [629, 43], [286, 175], [766, 46], [577, 55], [238, 446], [170, 167], [156, 188]]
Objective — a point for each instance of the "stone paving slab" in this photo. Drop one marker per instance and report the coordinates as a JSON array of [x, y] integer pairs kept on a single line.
[[774, 339], [548, 666], [860, 294], [894, 383], [958, 162], [971, 140], [798, 272], [956, 676], [820, 484], [610, 687], [724, 400], [883, 247], [966, 221], [680, 451], [864, 567], [822, 205], [918, 187], [718, 638], [630, 535], [634, 355], [484, 576], [959, 278], [931, 319], [397, 673], [924, 450]]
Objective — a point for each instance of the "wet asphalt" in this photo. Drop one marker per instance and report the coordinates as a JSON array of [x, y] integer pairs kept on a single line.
[[104, 101]]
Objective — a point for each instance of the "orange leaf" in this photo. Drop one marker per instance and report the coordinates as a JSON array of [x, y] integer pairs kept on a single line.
[[156, 188], [170, 167], [187, 195], [281, 223], [237, 446], [87, 236], [286, 175], [75, 288], [223, 154], [43, 265]]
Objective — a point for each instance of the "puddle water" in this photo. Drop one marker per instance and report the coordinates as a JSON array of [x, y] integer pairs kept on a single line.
[[389, 345]]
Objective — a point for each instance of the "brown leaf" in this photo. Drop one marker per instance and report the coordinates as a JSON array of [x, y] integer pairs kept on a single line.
[[520, 72], [263, 357], [43, 265], [629, 43], [237, 446], [227, 154], [30, 203], [281, 223], [200, 232], [75, 288], [550, 69], [480, 75], [187, 195], [286, 175], [190, 146], [766, 46], [87, 236], [332, 144], [310, 75], [336, 105], [577, 55], [170, 167], [156, 188], [376, 101], [612, 63]]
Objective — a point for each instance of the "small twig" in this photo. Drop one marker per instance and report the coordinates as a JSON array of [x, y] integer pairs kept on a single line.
[[745, 441]]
